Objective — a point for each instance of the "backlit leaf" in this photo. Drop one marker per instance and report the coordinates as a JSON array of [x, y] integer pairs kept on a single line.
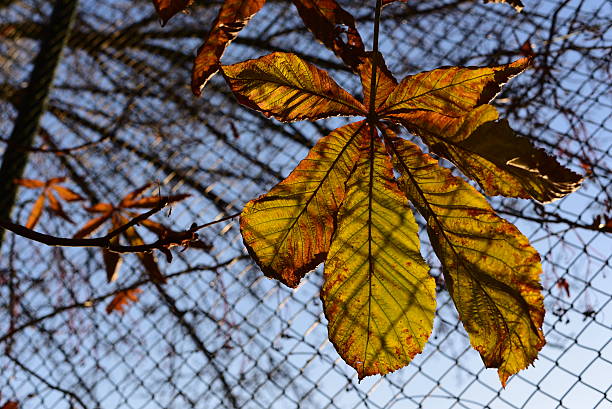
[[288, 231], [122, 300], [448, 108], [288, 88], [146, 259], [491, 271], [489, 152], [378, 296], [36, 212], [91, 226], [56, 207], [166, 9], [67, 194], [385, 82], [451, 91], [326, 20], [517, 4], [30, 183], [150, 202], [233, 17]]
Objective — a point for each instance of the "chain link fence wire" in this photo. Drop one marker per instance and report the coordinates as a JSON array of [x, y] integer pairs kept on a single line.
[[117, 113]]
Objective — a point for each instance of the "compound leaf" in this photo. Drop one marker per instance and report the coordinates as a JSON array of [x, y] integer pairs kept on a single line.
[[288, 231], [378, 296], [284, 86], [233, 17], [491, 270]]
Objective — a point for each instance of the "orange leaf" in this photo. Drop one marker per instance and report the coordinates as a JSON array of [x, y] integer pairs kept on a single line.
[[135, 193], [11, 404], [67, 194], [100, 208], [56, 207], [152, 201], [122, 299], [166, 9], [91, 226], [36, 212], [233, 17], [326, 19], [30, 183]]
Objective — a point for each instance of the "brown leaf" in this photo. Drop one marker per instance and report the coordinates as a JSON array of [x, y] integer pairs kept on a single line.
[[166, 9], [36, 211], [11, 404], [100, 208], [30, 183], [233, 17], [122, 300], [112, 262], [326, 20]]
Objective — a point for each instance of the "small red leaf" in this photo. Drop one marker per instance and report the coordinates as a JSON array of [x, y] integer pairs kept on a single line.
[[122, 300]]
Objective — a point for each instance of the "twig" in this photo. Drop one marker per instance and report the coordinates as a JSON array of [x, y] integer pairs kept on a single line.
[[105, 241], [47, 383]]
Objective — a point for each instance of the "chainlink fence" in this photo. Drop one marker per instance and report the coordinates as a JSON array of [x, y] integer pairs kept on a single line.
[[111, 89]]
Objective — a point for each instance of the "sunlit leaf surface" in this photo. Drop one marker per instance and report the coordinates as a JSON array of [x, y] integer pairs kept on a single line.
[[491, 271], [378, 296]]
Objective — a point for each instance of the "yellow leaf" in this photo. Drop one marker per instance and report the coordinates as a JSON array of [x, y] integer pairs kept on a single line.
[[378, 296], [288, 231], [491, 270], [233, 17], [284, 86]]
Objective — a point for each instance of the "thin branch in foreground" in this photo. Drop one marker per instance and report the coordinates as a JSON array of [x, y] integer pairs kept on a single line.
[[179, 239]]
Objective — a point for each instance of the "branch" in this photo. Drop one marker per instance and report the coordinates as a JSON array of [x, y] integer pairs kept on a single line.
[[47, 383], [178, 239]]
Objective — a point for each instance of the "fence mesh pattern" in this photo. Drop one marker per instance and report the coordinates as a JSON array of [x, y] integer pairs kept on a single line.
[[111, 94]]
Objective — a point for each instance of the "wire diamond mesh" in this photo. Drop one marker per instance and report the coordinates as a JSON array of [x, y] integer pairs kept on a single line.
[[120, 114]]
